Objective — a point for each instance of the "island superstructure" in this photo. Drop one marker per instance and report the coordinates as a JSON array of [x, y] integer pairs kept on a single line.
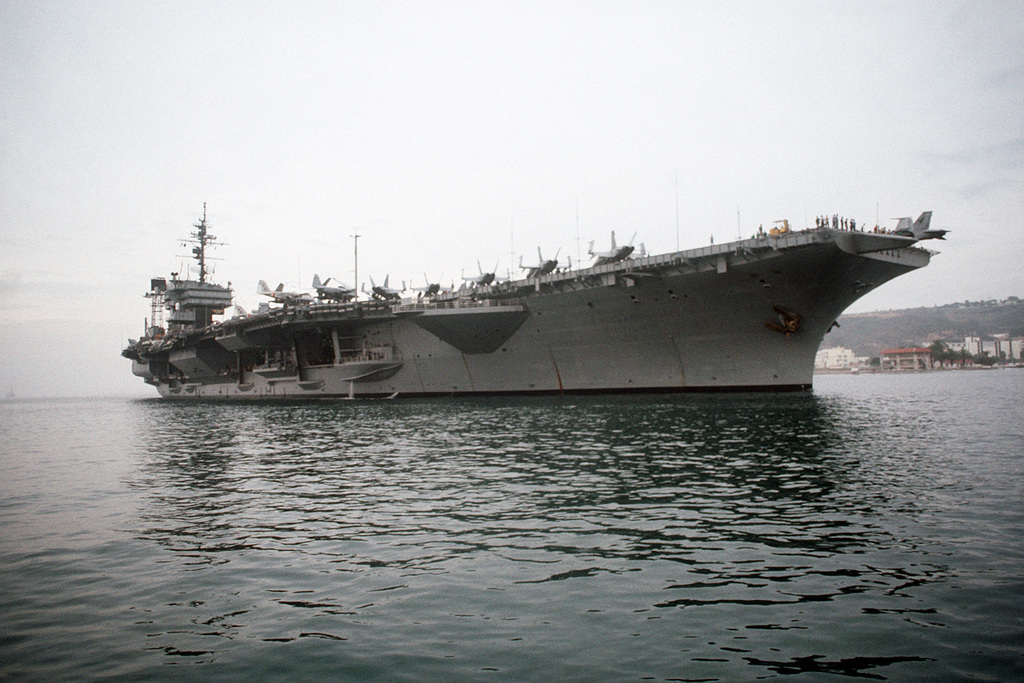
[[746, 315]]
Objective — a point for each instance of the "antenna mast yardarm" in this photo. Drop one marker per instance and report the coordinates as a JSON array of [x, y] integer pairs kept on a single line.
[[201, 238]]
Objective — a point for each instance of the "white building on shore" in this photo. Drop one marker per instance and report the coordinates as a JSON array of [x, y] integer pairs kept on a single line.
[[999, 346], [837, 358]]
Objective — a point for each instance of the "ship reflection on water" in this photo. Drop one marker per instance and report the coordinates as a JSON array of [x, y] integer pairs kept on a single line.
[[703, 534]]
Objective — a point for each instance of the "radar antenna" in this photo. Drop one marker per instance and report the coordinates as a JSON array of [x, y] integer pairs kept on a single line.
[[201, 238]]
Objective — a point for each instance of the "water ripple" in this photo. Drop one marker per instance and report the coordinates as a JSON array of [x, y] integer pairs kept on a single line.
[[682, 538]]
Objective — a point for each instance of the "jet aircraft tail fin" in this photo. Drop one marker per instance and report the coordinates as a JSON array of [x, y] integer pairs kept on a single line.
[[922, 221], [923, 232], [920, 227]]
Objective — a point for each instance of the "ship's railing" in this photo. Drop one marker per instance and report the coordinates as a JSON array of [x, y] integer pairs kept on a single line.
[[313, 311], [759, 243], [461, 303], [280, 367], [371, 353]]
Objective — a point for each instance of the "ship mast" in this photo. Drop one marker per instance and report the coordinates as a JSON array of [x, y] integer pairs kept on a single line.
[[355, 249], [201, 238], [192, 303]]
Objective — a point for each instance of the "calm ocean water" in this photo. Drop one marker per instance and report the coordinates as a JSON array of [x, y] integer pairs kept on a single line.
[[873, 529]]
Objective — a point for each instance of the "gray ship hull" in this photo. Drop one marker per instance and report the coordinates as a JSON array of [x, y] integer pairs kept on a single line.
[[745, 316]]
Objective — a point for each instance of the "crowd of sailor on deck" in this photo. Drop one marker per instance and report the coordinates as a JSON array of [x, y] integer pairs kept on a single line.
[[837, 222]]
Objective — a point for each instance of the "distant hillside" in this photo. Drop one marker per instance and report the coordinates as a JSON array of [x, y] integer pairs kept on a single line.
[[868, 333]]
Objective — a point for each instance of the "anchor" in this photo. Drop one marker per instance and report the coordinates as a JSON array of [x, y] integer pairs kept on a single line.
[[790, 322]]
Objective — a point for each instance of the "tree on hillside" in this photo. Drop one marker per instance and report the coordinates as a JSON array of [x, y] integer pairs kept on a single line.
[[868, 333]]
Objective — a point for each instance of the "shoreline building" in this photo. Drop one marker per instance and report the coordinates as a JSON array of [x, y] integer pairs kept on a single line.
[[998, 346], [838, 358], [912, 359]]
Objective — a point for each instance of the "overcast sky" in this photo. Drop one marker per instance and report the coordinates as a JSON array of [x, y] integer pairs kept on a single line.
[[450, 132]]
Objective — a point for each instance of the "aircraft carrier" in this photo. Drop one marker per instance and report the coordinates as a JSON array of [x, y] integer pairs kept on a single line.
[[742, 316]]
